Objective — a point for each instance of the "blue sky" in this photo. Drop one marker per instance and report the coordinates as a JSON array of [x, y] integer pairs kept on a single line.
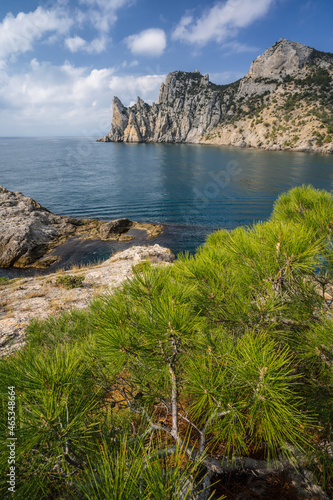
[[61, 62]]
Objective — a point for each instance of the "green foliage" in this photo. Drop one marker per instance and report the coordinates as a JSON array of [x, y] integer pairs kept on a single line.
[[251, 383], [319, 77], [54, 415], [235, 344], [69, 326], [141, 266], [291, 102], [69, 281], [4, 280], [311, 208], [125, 471]]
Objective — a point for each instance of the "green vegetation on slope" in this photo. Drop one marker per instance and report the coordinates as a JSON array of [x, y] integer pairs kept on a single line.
[[294, 108], [228, 353]]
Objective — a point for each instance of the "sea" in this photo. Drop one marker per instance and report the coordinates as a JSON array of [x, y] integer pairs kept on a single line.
[[191, 189]]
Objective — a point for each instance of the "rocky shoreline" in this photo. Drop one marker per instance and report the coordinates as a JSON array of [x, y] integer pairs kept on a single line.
[[30, 232], [242, 143], [24, 299]]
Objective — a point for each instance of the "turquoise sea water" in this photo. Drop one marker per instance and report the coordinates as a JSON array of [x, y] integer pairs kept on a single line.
[[193, 189]]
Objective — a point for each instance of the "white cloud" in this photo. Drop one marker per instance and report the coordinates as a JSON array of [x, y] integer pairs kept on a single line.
[[75, 43], [102, 13], [47, 84], [105, 4], [132, 64], [18, 34], [220, 21], [151, 42], [67, 100], [128, 87], [96, 46]]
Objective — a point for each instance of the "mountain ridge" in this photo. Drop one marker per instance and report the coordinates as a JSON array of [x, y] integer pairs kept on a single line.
[[285, 101]]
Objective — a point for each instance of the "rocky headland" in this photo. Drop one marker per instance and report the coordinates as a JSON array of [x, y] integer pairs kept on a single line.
[[30, 232], [285, 102]]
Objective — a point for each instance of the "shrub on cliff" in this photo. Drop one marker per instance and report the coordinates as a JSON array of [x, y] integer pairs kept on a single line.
[[186, 372]]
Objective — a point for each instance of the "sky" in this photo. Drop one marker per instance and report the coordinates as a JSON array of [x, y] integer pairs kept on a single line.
[[63, 61]]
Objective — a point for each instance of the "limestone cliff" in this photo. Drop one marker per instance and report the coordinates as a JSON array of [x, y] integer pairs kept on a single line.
[[188, 106], [284, 102]]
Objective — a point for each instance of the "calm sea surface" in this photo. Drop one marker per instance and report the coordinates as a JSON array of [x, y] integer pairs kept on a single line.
[[193, 189]]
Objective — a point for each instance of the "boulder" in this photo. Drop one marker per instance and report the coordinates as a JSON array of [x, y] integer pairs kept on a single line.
[[114, 228]]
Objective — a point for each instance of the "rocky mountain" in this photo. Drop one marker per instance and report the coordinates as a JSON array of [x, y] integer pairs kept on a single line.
[[284, 102]]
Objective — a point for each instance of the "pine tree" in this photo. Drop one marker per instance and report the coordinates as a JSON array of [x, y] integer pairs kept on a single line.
[[187, 371]]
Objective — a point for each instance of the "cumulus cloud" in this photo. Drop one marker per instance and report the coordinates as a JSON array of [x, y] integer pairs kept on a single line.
[[102, 13], [66, 99], [75, 43], [220, 21], [96, 46], [18, 34], [151, 42], [129, 87]]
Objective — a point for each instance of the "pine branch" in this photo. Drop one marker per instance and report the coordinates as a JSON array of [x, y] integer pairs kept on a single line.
[[174, 405]]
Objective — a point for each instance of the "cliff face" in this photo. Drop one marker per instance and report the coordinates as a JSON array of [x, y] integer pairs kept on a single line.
[[284, 58], [188, 106], [284, 102]]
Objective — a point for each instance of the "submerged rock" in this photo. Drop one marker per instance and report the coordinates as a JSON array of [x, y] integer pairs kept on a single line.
[[114, 228], [29, 232]]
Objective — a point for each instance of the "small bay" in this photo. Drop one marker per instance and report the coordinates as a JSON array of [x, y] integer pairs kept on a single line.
[[192, 189]]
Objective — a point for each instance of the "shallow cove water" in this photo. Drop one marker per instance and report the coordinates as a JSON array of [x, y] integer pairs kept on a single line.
[[192, 189]]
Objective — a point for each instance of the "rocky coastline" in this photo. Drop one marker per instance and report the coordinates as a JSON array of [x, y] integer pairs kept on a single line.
[[28, 235], [29, 232]]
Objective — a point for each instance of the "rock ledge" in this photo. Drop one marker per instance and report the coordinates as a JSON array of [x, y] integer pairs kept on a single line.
[[29, 232], [23, 299]]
